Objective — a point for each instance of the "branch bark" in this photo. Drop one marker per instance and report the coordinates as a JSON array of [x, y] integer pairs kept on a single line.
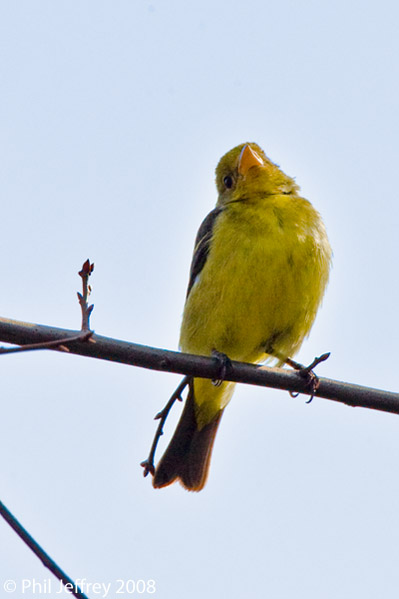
[[46, 560], [124, 352]]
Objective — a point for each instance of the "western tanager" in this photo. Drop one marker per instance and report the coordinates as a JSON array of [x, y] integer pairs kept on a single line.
[[259, 271]]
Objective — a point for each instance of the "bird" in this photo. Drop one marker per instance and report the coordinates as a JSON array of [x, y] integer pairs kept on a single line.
[[259, 271]]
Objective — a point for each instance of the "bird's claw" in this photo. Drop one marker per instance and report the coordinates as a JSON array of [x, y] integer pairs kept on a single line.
[[307, 373], [224, 362]]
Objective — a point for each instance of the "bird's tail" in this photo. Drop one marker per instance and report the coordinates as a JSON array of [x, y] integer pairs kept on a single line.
[[188, 454]]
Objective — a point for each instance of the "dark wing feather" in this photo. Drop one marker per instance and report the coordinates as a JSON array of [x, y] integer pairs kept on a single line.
[[202, 246]]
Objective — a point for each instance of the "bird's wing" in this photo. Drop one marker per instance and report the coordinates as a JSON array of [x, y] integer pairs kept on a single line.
[[202, 246]]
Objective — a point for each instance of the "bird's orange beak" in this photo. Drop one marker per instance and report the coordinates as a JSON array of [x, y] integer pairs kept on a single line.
[[248, 158]]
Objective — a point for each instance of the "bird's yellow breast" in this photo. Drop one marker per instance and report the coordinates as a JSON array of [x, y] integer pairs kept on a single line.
[[263, 280]]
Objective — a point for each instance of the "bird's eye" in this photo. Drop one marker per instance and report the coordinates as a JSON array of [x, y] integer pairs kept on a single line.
[[228, 181]]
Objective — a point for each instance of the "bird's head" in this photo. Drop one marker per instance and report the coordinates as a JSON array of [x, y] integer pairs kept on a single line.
[[246, 173]]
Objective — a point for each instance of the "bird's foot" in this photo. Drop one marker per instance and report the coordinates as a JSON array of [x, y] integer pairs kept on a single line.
[[307, 373], [224, 362]]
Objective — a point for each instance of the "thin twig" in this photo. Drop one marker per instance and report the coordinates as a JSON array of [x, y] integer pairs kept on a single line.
[[57, 343], [62, 343], [306, 369], [85, 273], [148, 464], [47, 561]]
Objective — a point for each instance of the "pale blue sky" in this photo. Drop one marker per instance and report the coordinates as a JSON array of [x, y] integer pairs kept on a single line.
[[113, 117]]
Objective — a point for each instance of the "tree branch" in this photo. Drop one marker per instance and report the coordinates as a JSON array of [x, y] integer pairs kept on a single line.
[[106, 348], [47, 561]]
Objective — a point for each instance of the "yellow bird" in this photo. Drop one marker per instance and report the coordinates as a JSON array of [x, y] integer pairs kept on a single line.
[[259, 271]]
